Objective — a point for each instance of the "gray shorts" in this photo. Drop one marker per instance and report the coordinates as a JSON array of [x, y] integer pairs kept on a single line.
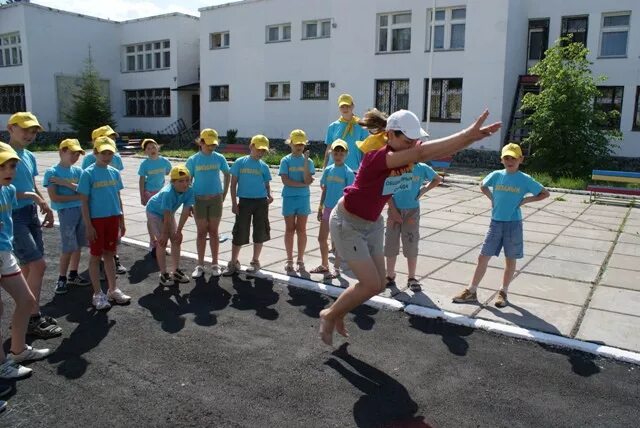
[[409, 230], [356, 238], [72, 231], [155, 224], [505, 235]]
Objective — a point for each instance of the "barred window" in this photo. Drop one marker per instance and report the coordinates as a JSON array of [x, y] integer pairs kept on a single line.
[[392, 95], [315, 90], [12, 99], [219, 93], [10, 49], [610, 99], [148, 102], [147, 56], [446, 100]]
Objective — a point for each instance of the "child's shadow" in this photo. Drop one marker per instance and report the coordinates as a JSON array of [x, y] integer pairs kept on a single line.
[[452, 335], [313, 302], [205, 297], [257, 296], [163, 308], [142, 269], [524, 319]]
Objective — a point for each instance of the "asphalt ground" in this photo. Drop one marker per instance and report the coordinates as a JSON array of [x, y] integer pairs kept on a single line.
[[234, 352]]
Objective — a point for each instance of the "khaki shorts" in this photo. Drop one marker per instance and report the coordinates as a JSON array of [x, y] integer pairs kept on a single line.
[[208, 207], [355, 238], [155, 224], [409, 230]]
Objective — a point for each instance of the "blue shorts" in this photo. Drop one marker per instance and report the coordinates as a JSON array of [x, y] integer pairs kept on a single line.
[[296, 205], [504, 234], [72, 232], [27, 235]]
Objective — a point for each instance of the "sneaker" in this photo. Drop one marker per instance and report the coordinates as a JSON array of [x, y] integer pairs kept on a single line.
[[254, 266], [120, 270], [180, 277], [78, 281], [197, 272], [118, 296], [100, 301], [232, 268], [30, 354], [61, 287], [43, 328], [166, 279], [216, 270], [9, 369], [414, 285], [501, 301], [465, 296]]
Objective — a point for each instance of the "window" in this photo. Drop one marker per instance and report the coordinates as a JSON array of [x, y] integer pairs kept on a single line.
[[10, 50], [278, 91], [446, 99], [636, 111], [147, 56], [614, 34], [538, 40], [449, 28], [316, 29], [12, 99], [394, 32], [148, 102], [219, 93], [610, 99], [577, 26], [392, 95], [279, 33], [315, 90], [219, 40]]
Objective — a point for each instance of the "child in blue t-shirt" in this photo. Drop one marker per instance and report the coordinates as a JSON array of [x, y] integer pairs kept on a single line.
[[103, 217], [61, 182], [161, 221], [296, 172], [506, 189], [250, 178], [335, 178], [403, 220]]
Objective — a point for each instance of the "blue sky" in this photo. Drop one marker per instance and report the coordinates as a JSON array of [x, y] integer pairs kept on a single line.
[[119, 10]]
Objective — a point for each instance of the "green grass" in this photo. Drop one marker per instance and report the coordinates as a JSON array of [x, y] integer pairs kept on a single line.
[[561, 182], [272, 158]]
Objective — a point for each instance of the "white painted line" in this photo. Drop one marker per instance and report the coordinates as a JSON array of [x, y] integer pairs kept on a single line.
[[523, 333]]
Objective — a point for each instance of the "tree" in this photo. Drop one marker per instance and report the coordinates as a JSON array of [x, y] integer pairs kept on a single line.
[[90, 108], [568, 135]]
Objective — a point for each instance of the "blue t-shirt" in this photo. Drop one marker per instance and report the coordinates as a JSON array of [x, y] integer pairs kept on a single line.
[[252, 175], [25, 171], [336, 130], [167, 199], [508, 191], [335, 179], [102, 186], [90, 159], [7, 202], [293, 167], [406, 199], [69, 174], [153, 171], [205, 170]]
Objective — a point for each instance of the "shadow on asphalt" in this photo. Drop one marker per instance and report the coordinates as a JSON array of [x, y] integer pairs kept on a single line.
[[310, 301], [143, 268], [255, 294], [205, 297], [452, 335], [524, 318], [385, 403]]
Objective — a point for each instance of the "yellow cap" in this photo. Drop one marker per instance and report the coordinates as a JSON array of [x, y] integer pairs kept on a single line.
[[345, 100], [103, 131], [298, 136], [25, 119], [512, 150], [71, 144], [372, 142], [339, 143], [260, 142], [147, 141], [7, 152], [104, 143], [210, 136], [179, 171]]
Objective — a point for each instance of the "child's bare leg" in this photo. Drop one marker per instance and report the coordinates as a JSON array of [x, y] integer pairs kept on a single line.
[[214, 239], [412, 263], [290, 230], [175, 254], [110, 269], [481, 269], [74, 261], [17, 288], [323, 235], [94, 273], [301, 232], [235, 252], [509, 270], [161, 257], [202, 228], [65, 258], [391, 266], [34, 274], [257, 249]]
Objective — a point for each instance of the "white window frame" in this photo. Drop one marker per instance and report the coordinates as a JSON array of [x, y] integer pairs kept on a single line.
[[280, 92], [10, 49], [318, 23], [447, 23], [616, 29], [390, 27], [149, 95], [147, 56], [317, 90], [224, 91], [281, 28], [225, 40]]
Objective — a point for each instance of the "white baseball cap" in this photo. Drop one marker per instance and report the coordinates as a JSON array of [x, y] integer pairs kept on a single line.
[[408, 123]]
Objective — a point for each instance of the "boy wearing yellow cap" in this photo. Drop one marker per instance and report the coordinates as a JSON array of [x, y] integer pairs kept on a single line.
[[250, 199], [28, 245], [161, 221], [296, 172], [506, 189], [103, 217], [346, 128], [61, 182]]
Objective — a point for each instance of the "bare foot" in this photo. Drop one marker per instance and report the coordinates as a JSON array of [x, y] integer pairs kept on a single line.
[[326, 328], [341, 329]]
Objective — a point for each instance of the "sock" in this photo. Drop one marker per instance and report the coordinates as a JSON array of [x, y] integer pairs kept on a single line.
[[472, 288], [73, 273], [504, 289], [62, 278]]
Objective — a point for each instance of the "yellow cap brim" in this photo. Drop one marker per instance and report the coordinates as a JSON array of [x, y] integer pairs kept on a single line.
[[105, 147], [30, 124], [510, 153], [261, 147], [210, 142], [7, 156]]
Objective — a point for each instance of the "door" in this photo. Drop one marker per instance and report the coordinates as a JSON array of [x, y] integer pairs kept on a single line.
[[195, 111]]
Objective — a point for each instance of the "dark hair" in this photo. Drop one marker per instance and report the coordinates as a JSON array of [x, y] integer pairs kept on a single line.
[[374, 120], [339, 149]]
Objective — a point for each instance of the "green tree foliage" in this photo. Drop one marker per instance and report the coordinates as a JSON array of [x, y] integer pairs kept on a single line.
[[569, 136], [91, 107]]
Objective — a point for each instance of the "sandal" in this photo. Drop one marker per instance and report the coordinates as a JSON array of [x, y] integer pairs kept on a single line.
[[332, 275], [300, 267], [320, 269], [254, 266], [288, 266], [414, 285], [391, 282]]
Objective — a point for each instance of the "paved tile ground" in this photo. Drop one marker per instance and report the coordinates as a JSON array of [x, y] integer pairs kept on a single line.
[[580, 276]]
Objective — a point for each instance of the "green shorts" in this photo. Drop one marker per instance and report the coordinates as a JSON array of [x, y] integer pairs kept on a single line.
[[256, 212], [208, 207]]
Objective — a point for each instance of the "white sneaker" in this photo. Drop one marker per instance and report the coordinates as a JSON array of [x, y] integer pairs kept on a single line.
[[216, 270], [118, 296], [30, 354], [9, 369], [198, 272], [100, 301]]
